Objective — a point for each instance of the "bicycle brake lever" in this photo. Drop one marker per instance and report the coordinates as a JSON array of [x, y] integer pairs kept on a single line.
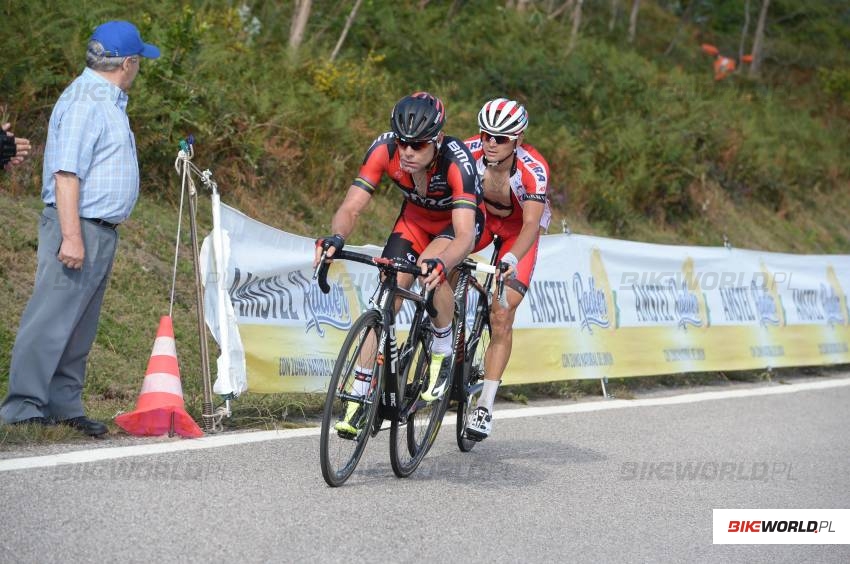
[[319, 265], [321, 273], [503, 298], [429, 303], [500, 285]]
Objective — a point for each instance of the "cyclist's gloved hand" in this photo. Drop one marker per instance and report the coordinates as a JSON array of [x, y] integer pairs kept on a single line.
[[331, 244], [435, 273], [8, 149], [511, 261], [336, 241]]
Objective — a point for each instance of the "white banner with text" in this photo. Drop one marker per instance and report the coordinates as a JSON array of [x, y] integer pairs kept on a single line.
[[596, 308]]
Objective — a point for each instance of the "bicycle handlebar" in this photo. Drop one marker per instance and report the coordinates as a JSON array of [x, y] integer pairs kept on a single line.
[[405, 267], [386, 265], [472, 265]]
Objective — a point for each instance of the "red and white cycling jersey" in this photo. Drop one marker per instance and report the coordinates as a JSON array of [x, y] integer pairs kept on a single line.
[[529, 179]]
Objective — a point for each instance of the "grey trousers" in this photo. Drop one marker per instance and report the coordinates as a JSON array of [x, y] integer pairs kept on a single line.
[[58, 326]]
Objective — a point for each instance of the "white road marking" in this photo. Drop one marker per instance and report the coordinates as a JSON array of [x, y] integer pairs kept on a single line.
[[230, 439]]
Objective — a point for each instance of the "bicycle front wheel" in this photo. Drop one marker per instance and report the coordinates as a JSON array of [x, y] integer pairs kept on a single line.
[[351, 403], [412, 437], [473, 382]]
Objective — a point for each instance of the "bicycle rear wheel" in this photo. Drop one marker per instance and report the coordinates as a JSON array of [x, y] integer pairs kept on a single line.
[[411, 438], [473, 382], [340, 450]]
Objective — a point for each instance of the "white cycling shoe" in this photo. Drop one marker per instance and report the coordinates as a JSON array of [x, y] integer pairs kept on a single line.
[[480, 424]]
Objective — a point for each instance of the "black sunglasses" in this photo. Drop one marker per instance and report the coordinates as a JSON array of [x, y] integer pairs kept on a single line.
[[415, 145], [500, 139]]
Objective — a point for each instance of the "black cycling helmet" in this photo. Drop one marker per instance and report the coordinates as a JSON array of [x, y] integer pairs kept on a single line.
[[418, 117]]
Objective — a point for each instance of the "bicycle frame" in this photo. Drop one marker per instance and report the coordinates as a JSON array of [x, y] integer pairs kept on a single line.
[[384, 300], [466, 282], [399, 374]]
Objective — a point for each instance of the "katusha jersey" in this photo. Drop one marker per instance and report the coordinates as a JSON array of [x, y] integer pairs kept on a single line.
[[529, 179], [452, 182]]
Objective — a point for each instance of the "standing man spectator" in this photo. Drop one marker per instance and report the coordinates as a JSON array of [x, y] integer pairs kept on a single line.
[[13, 149], [90, 185]]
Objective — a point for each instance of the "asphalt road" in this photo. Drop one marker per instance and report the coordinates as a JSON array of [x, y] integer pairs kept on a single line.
[[635, 484]]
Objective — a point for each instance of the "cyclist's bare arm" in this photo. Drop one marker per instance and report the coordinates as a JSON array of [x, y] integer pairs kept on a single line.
[[531, 214], [345, 218], [463, 222]]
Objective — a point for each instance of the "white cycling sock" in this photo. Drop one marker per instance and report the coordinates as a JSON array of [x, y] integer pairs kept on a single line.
[[442, 340], [362, 380], [488, 394]]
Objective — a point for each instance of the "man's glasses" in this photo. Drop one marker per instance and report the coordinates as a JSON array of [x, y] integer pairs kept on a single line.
[[415, 145], [500, 139]]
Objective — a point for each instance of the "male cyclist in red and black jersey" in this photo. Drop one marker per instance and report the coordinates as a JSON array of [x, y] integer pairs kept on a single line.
[[441, 218], [515, 178]]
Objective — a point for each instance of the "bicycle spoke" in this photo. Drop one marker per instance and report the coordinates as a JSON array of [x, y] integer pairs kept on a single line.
[[351, 402], [473, 378], [411, 439]]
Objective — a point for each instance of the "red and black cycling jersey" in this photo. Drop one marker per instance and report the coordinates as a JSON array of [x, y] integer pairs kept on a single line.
[[452, 180]]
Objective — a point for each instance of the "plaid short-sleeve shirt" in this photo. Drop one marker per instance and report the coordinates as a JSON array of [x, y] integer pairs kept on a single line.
[[89, 135]]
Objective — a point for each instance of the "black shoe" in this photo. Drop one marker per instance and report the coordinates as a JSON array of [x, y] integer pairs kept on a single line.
[[43, 421], [85, 425]]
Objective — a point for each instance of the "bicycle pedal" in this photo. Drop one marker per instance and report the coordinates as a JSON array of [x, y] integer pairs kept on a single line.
[[376, 426], [473, 436], [417, 405], [346, 435]]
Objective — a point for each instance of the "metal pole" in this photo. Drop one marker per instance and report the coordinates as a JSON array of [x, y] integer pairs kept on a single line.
[[202, 327], [604, 381]]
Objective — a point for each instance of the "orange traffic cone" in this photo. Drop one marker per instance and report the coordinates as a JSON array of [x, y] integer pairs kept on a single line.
[[160, 408]]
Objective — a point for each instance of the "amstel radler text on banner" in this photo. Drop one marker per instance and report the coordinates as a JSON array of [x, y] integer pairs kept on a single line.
[[596, 308]]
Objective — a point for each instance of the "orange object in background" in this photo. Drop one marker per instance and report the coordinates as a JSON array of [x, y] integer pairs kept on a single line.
[[160, 408], [723, 66], [709, 49]]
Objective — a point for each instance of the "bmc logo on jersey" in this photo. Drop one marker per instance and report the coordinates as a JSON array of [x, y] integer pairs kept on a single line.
[[432, 203], [382, 137], [462, 156]]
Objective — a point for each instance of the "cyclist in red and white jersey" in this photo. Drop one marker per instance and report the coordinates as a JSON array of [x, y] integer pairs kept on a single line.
[[441, 219], [515, 178]]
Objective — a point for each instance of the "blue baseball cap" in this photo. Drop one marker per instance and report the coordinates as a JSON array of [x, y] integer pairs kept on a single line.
[[122, 39]]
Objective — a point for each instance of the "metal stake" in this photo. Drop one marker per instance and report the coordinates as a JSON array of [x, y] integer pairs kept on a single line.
[[202, 327], [604, 381]]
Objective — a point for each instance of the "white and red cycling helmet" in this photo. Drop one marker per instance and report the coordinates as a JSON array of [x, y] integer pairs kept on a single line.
[[503, 117]]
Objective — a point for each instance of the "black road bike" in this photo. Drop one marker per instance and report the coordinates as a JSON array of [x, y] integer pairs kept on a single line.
[[473, 295], [399, 375]]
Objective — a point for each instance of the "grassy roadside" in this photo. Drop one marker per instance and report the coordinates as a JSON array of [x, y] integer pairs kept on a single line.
[[139, 294], [641, 145], [285, 411], [141, 283], [631, 388]]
